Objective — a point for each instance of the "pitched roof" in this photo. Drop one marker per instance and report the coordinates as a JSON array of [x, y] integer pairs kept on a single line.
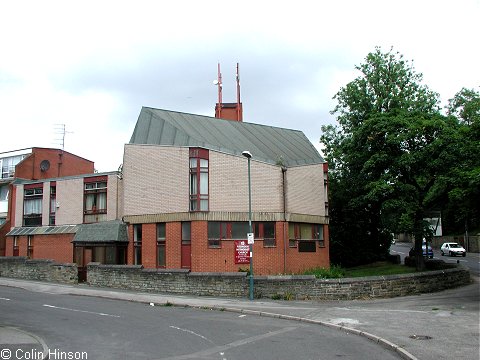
[[101, 232], [266, 143]]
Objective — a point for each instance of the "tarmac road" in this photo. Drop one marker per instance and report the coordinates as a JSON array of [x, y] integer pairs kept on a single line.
[[436, 326]]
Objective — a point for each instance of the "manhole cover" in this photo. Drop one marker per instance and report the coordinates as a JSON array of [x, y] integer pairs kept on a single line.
[[420, 337]]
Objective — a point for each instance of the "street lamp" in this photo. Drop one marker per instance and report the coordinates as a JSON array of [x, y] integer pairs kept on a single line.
[[248, 155]]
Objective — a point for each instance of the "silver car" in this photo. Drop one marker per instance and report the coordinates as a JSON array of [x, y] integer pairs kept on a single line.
[[452, 249]]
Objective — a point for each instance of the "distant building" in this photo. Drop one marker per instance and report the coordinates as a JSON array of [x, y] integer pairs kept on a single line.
[[33, 164]]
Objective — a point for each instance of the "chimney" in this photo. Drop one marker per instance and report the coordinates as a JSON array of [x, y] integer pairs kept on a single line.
[[228, 111]]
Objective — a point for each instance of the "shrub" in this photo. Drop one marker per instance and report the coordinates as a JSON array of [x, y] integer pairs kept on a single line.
[[334, 272]]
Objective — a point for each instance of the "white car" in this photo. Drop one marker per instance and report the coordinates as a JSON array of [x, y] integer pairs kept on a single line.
[[453, 249]]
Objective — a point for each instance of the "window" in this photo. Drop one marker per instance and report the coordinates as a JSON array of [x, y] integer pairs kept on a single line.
[[30, 246], [217, 231], [53, 204], [4, 192], [186, 233], [95, 204], [15, 246], [137, 244], [305, 236], [32, 205], [198, 179], [161, 254]]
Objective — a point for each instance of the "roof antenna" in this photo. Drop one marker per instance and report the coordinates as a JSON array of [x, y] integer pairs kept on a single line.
[[239, 117], [218, 82]]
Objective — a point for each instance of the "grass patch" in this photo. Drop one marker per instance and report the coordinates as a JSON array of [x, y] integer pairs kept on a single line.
[[374, 269], [378, 269]]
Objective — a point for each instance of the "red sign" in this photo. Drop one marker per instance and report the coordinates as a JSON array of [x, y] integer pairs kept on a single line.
[[242, 252]]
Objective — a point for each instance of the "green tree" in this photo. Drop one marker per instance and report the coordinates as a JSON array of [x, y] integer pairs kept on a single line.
[[385, 156], [462, 210]]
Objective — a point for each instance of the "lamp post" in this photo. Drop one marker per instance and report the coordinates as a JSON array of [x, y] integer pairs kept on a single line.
[[248, 155]]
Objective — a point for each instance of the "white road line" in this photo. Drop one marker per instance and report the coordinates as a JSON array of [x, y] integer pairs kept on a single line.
[[380, 310], [193, 333], [4, 299], [82, 311]]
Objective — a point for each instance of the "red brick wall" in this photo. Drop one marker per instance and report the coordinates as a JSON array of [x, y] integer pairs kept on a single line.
[[149, 245], [173, 241], [62, 163], [55, 247], [266, 261]]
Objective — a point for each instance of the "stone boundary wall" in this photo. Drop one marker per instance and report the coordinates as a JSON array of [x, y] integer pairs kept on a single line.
[[289, 287], [21, 267]]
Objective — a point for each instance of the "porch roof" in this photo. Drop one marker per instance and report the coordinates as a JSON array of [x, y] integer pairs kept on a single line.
[[103, 232]]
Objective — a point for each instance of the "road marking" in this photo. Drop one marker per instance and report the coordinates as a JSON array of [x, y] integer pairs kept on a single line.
[[193, 333], [219, 349], [374, 310], [242, 316], [82, 311], [4, 299]]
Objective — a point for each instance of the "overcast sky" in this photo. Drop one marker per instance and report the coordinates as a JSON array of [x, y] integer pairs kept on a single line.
[[92, 65]]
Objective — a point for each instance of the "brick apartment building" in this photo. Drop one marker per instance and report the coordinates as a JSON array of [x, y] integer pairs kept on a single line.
[[32, 165], [181, 200]]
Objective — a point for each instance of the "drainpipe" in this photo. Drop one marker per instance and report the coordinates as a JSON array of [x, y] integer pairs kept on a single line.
[[285, 232]]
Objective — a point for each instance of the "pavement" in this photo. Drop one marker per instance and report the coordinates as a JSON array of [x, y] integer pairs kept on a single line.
[[436, 326]]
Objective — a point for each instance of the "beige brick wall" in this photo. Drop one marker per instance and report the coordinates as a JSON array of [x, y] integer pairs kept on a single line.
[[155, 179], [305, 190], [70, 200], [229, 184], [18, 206], [113, 198]]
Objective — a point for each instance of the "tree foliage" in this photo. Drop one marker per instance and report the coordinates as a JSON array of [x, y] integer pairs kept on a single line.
[[391, 157]]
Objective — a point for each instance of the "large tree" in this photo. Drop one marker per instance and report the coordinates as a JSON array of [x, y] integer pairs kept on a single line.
[[462, 205], [387, 154]]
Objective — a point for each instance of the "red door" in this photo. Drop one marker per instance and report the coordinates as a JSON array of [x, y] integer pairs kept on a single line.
[[186, 255]]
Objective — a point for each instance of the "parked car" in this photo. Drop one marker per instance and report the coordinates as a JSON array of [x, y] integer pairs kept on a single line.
[[453, 249], [426, 253]]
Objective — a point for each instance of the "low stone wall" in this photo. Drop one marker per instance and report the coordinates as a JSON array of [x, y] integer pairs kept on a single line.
[[289, 287], [134, 277], [302, 287], [274, 287], [43, 270]]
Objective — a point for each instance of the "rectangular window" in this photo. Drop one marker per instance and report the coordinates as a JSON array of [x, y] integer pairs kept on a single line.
[[161, 253], [95, 200], [30, 246], [186, 233], [305, 236], [137, 244], [32, 205], [15, 246], [53, 204], [265, 231], [198, 179], [269, 234], [217, 231], [239, 230]]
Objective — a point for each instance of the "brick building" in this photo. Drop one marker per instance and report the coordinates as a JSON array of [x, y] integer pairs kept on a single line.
[[181, 201], [35, 165], [186, 195]]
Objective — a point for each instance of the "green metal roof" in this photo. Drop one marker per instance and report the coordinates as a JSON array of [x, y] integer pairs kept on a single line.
[[43, 230], [101, 232], [266, 143]]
